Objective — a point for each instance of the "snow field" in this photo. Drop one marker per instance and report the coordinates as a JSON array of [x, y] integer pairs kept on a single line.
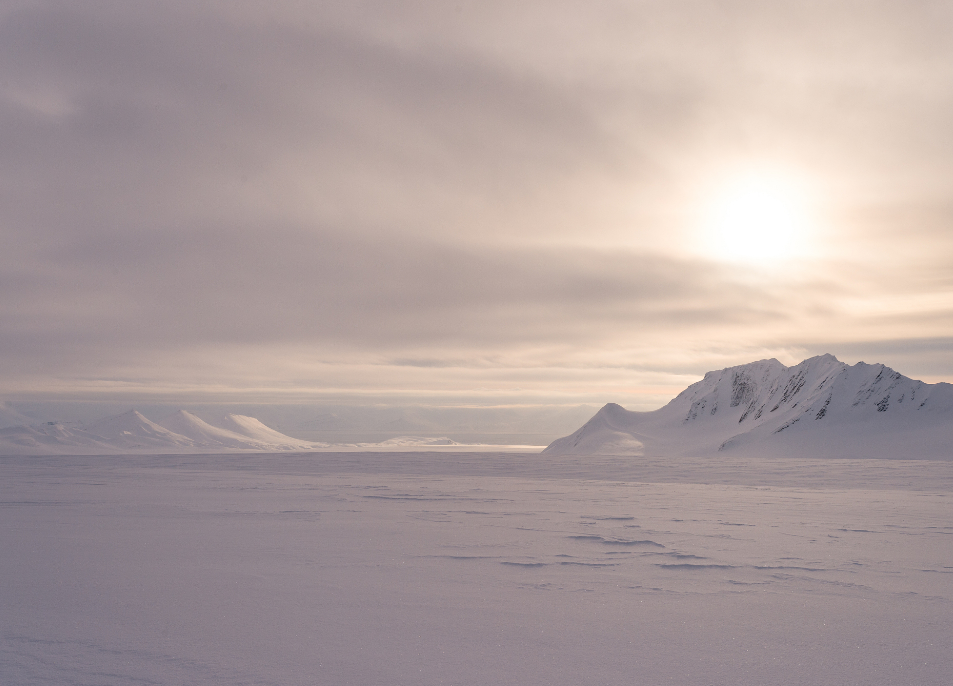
[[442, 568]]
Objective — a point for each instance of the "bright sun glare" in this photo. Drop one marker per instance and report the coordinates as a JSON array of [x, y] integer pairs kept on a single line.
[[755, 218]]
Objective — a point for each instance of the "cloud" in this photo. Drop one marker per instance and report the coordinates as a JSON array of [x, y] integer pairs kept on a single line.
[[165, 122], [228, 192], [270, 286]]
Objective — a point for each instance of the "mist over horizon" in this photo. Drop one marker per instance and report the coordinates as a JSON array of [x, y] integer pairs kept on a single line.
[[350, 425]]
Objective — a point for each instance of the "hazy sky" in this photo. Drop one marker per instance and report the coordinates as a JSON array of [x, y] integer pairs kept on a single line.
[[486, 202]]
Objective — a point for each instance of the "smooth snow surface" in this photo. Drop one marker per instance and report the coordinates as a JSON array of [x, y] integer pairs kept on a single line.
[[820, 407], [419, 569]]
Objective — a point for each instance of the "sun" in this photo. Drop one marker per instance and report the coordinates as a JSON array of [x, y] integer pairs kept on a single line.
[[755, 218]]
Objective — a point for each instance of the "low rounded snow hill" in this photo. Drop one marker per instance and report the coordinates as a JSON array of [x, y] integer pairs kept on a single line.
[[131, 432], [185, 433], [821, 407]]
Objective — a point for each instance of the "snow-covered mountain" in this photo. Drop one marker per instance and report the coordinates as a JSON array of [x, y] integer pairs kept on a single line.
[[254, 429], [10, 417], [50, 438], [181, 432], [130, 430], [251, 434], [820, 407]]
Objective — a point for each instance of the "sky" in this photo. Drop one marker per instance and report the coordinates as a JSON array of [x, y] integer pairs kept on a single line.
[[468, 203]]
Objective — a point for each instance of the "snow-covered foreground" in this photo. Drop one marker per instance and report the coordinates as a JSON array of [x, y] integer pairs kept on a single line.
[[463, 568]]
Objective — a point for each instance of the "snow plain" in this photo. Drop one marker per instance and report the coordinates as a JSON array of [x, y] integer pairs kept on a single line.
[[464, 568]]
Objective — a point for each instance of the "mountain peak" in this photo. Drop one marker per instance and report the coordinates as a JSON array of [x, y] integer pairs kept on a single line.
[[130, 431], [767, 404], [825, 357]]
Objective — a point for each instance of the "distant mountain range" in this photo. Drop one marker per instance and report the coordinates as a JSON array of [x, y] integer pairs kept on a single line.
[[821, 407], [181, 432]]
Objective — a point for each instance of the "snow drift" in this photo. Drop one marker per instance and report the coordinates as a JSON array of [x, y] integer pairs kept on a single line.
[[820, 407]]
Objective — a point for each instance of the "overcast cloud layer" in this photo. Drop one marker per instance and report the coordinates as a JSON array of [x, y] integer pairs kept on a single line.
[[476, 202]]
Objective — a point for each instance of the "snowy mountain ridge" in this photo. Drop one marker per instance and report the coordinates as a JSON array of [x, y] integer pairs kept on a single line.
[[820, 405], [181, 432], [185, 433]]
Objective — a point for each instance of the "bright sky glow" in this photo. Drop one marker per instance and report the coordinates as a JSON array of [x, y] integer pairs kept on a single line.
[[754, 219]]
